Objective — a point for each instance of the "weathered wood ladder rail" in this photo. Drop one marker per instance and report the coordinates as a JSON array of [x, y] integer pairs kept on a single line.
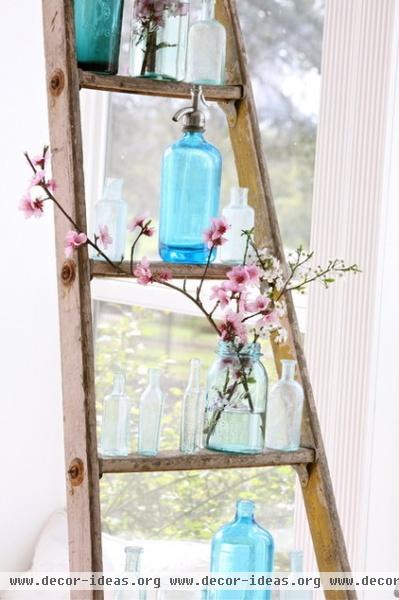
[[84, 466]]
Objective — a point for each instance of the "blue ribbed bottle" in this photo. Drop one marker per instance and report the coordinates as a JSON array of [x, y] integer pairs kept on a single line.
[[190, 196], [242, 547], [98, 25]]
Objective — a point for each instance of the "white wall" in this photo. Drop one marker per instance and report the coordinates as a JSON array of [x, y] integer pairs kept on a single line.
[[31, 445]]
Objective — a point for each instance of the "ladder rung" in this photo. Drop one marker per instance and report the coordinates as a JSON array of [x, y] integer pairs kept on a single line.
[[100, 268], [203, 460], [153, 87]]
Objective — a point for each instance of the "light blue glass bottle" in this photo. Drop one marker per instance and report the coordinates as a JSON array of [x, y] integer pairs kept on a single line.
[[190, 197], [297, 568], [115, 431], [242, 546], [111, 211], [151, 409], [132, 569], [284, 411], [98, 25]]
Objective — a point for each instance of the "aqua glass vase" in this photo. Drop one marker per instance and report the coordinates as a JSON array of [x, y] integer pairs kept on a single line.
[[191, 407], [111, 212], [98, 25], [151, 409], [284, 411], [296, 558], [159, 39], [236, 398], [242, 546]]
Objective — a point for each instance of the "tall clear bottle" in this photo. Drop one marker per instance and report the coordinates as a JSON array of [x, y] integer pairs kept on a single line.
[[191, 407], [242, 546], [132, 568], [115, 431], [206, 54], [296, 557], [284, 411], [151, 409], [239, 216], [190, 196], [111, 212]]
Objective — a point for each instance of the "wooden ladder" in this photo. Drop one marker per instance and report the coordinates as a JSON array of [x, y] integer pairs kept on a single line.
[[83, 464]]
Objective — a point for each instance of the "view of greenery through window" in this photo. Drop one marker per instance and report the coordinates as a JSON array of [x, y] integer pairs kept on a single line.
[[284, 43]]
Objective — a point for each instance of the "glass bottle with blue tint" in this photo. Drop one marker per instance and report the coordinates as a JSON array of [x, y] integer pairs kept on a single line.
[[206, 54], [151, 409], [242, 546], [132, 569], [190, 196], [98, 25], [284, 411], [191, 407], [115, 431], [296, 557], [111, 212]]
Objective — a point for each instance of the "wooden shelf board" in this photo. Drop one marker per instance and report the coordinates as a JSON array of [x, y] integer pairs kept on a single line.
[[153, 87], [203, 460], [100, 268]]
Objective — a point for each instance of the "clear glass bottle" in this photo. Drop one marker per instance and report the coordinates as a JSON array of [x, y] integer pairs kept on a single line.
[[151, 409], [159, 39], [190, 195], [132, 568], [111, 211], [98, 25], [190, 408], [206, 54], [236, 398], [284, 411], [242, 546], [296, 557], [115, 431], [239, 216]]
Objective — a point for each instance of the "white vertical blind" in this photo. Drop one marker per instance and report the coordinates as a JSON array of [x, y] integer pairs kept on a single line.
[[349, 214]]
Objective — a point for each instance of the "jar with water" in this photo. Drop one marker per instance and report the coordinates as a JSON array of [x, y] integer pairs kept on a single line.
[[235, 408]]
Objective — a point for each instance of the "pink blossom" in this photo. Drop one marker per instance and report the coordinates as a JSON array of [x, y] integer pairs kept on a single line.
[[253, 273], [268, 319], [31, 207], [148, 231], [37, 178], [143, 272], [213, 236], [73, 240], [164, 275], [232, 327], [52, 185], [221, 293], [239, 278], [138, 221], [104, 237], [258, 305], [40, 160]]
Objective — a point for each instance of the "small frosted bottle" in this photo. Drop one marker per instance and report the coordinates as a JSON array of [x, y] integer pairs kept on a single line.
[[115, 431], [242, 546], [206, 54], [296, 557], [284, 411], [132, 569], [111, 211], [190, 410], [151, 409], [190, 190], [240, 217]]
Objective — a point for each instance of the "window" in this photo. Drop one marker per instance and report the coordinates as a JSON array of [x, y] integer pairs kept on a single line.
[[137, 328]]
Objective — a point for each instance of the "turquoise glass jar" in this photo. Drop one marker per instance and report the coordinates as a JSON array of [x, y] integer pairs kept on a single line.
[[236, 398], [242, 546], [98, 25]]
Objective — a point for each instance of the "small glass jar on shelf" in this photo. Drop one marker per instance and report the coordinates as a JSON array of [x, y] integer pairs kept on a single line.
[[151, 410], [159, 39], [133, 556], [111, 221], [191, 409], [115, 430]]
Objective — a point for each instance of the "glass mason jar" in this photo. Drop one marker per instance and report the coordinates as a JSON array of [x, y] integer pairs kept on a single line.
[[98, 25], [236, 398], [159, 39]]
